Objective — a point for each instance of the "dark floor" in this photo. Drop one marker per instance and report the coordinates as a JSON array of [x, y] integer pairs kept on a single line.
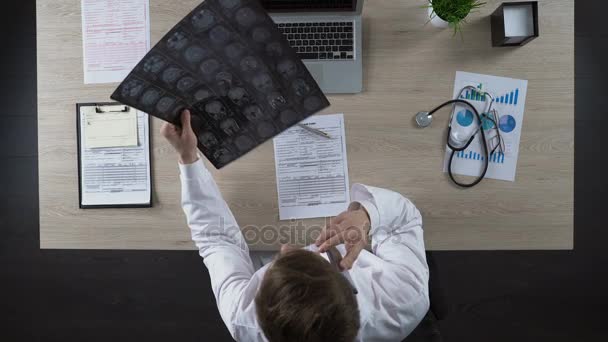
[[151, 295]]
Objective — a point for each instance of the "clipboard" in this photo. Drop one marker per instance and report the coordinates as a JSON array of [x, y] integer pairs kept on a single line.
[[114, 177]]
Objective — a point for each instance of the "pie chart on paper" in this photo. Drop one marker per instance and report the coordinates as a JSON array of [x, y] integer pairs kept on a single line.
[[507, 123], [464, 118]]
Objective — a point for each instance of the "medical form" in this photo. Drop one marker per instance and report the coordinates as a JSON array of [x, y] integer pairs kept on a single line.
[[115, 36], [312, 170]]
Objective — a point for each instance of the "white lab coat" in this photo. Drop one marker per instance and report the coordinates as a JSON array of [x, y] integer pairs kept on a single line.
[[392, 280]]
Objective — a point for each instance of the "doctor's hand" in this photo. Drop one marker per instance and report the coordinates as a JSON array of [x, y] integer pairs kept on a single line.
[[350, 228], [182, 139]]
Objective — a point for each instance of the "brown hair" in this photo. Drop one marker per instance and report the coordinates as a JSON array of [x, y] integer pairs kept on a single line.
[[303, 298]]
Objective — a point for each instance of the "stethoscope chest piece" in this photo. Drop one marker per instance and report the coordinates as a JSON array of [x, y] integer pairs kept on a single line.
[[423, 119]]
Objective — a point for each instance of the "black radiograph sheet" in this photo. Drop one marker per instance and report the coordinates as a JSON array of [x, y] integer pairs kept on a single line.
[[227, 62]]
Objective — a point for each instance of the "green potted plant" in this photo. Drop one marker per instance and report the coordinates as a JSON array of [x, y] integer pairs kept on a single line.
[[451, 13]]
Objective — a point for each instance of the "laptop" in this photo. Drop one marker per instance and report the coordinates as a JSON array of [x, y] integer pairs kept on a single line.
[[327, 35]]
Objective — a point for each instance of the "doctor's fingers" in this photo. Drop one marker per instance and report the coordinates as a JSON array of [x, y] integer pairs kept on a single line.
[[341, 227], [352, 253], [343, 232], [331, 229], [338, 219], [334, 240], [186, 120], [168, 130], [327, 232]]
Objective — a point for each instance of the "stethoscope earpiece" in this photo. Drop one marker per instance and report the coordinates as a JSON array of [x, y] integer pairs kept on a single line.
[[424, 119]]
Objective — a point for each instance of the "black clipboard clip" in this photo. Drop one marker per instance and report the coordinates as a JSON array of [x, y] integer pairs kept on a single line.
[[102, 109]]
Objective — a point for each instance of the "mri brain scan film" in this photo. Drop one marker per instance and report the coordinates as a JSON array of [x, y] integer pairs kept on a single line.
[[227, 62]]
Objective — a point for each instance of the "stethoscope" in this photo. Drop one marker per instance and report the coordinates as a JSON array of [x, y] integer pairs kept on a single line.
[[457, 143]]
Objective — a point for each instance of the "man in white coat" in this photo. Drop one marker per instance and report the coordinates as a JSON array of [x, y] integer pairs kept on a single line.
[[365, 278]]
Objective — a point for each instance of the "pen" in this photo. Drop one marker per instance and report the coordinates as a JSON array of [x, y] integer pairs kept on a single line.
[[315, 131]]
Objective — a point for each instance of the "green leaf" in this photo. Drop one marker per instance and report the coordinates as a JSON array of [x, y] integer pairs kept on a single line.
[[454, 11]]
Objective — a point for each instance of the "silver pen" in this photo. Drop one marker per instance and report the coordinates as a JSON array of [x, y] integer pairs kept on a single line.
[[315, 131]]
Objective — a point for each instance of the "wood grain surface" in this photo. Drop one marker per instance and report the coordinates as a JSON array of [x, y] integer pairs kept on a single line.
[[408, 67]]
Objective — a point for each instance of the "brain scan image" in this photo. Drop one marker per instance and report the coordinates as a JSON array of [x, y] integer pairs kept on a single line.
[[276, 100], [185, 83], [312, 103], [131, 88], [230, 4], [196, 122], [203, 20], [244, 143], [171, 74], [224, 76], [227, 61], [274, 49], [177, 41], [263, 83], [300, 87], [150, 97], [210, 66], [208, 139], [154, 64], [239, 96], [222, 155], [246, 16], [216, 110], [220, 35], [287, 68], [235, 50], [288, 116], [265, 129], [260, 34], [194, 54], [165, 104], [223, 82], [229, 127], [253, 113], [249, 64], [202, 94]]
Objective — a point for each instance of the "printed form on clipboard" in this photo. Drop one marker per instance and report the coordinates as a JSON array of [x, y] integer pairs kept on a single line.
[[312, 170], [114, 170]]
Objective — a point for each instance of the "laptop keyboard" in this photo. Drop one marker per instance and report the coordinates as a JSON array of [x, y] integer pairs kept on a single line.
[[323, 40]]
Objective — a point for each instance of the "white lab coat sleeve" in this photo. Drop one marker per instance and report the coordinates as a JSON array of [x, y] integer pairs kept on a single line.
[[401, 287], [218, 238]]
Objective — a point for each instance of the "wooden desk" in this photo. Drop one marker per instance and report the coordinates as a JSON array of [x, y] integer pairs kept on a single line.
[[408, 67]]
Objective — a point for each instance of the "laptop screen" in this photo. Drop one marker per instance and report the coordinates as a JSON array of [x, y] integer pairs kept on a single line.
[[310, 5]]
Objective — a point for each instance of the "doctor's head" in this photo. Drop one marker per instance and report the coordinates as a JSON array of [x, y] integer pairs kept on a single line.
[[304, 298]]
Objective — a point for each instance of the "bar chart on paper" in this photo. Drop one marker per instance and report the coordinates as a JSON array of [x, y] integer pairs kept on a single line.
[[496, 157], [509, 97], [475, 95]]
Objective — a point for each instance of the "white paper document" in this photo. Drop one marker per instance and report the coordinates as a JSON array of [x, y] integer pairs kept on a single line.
[[115, 36], [312, 170], [509, 101], [116, 175], [113, 129]]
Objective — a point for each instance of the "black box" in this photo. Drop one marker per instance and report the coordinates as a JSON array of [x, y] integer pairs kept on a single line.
[[515, 23]]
